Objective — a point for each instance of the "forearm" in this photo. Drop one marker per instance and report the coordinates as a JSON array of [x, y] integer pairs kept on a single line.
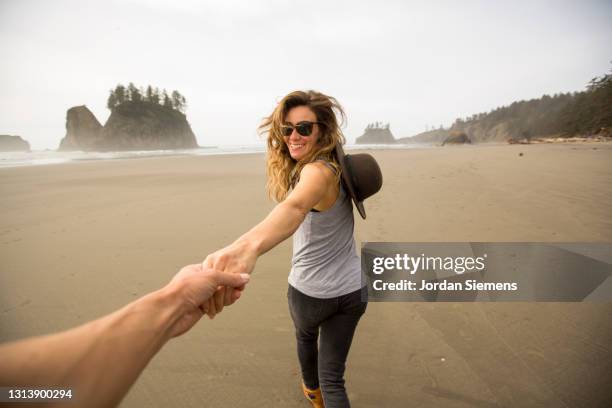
[[286, 217], [99, 360], [279, 225]]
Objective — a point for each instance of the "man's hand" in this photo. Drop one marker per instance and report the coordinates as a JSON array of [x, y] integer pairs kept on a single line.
[[195, 285]]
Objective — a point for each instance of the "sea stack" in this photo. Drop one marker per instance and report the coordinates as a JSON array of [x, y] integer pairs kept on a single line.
[[83, 130], [376, 133], [146, 126], [13, 144]]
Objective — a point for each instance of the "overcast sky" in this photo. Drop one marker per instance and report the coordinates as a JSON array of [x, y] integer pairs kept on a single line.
[[413, 64]]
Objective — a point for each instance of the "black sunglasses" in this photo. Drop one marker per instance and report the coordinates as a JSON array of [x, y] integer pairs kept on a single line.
[[303, 128]]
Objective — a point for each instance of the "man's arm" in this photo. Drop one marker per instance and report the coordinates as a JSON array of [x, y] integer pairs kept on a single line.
[[100, 360]]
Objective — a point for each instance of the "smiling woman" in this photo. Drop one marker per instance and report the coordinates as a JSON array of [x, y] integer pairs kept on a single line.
[[315, 131], [324, 290]]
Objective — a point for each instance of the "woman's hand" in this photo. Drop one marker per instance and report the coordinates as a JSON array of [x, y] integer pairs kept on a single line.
[[239, 257]]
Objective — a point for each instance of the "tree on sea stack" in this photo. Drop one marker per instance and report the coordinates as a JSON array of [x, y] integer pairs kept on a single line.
[[149, 95], [135, 95], [120, 94], [112, 100], [155, 96], [178, 101], [167, 101]]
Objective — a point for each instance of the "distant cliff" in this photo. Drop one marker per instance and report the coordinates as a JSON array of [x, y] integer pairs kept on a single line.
[[13, 144], [376, 133], [587, 113], [139, 120]]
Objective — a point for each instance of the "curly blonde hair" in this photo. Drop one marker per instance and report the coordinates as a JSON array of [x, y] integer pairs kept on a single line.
[[282, 170]]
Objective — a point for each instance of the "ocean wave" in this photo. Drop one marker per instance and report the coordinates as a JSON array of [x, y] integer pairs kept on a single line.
[[49, 157]]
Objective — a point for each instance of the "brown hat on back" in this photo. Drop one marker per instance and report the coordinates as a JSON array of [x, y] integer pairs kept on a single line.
[[361, 176]]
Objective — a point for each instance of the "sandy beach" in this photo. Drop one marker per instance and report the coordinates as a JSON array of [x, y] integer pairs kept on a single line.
[[80, 240]]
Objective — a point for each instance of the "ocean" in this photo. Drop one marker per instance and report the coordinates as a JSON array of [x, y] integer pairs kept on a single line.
[[49, 157]]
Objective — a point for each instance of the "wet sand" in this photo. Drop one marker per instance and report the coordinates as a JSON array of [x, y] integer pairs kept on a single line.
[[82, 239]]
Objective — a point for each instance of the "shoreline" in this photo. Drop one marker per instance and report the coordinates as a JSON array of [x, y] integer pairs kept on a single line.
[[20, 159]]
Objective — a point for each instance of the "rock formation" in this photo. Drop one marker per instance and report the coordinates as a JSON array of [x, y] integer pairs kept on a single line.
[[436, 136], [13, 144], [457, 137], [376, 134], [83, 131], [131, 126], [147, 126]]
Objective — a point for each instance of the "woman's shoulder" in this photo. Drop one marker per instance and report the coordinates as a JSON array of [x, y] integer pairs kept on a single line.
[[321, 168], [328, 163], [322, 173]]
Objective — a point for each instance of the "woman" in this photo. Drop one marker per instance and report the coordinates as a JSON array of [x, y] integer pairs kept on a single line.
[[324, 291]]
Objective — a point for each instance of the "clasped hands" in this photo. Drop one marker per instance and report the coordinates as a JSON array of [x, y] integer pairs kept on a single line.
[[206, 288], [235, 258]]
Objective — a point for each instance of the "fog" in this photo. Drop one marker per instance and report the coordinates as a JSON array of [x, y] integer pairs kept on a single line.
[[412, 64]]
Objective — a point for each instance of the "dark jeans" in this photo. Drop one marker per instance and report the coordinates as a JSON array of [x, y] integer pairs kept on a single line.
[[334, 320]]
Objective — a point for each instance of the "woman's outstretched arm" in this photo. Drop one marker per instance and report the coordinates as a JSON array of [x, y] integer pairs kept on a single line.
[[281, 223], [287, 216]]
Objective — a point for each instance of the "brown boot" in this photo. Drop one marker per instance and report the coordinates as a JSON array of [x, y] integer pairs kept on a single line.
[[314, 396]]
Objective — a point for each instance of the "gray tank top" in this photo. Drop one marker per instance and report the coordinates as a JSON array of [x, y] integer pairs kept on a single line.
[[325, 262]]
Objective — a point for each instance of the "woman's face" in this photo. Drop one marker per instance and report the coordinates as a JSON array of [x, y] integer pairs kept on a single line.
[[299, 145]]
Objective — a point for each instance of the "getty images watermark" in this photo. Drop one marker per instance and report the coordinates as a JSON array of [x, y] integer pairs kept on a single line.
[[487, 271]]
